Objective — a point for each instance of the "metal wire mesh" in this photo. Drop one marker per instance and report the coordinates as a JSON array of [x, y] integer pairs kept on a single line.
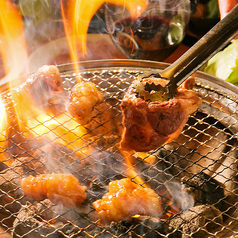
[[201, 162]]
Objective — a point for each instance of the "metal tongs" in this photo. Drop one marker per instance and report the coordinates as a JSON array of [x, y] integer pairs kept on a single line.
[[212, 42]]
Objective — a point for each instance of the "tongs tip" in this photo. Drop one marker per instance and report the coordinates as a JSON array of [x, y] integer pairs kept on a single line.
[[157, 91]]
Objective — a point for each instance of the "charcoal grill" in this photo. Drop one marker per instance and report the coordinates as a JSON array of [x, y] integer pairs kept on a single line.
[[202, 163]]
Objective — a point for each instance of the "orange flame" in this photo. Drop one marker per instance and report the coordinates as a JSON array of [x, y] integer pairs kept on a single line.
[[61, 130], [13, 50], [131, 170], [150, 159], [43, 126], [72, 43], [14, 57], [12, 41], [3, 124], [80, 13]]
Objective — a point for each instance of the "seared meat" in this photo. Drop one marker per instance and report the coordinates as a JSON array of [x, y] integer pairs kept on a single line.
[[84, 96], [150, 123], [49, 76], [45, 87], [126, 199], [59, 188]]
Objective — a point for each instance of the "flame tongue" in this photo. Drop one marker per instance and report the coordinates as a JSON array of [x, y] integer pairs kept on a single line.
[[82, 11], [79, 14], [13, 50], [12, 41]]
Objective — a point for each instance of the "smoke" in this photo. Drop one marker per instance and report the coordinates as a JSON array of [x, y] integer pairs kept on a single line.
[[181, 198]]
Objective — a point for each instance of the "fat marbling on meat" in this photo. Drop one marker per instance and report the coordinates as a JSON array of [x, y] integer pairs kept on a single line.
[[126, 199], [59, 188], [83, 98]]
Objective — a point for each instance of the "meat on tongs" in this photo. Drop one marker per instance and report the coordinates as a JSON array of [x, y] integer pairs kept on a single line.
[[149, 122]]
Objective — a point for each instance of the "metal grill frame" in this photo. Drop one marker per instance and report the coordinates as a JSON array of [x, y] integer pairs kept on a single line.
[[220, 101]]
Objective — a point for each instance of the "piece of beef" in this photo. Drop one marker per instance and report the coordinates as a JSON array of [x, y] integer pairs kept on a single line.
[[148, 123]]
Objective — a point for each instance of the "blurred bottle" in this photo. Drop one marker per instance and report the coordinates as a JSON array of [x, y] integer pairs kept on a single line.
[[204, 15]]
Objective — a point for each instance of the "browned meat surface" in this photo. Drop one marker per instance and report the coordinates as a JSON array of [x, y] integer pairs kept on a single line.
[[84, 96], [49, 76], [45, 87], [59, 188], [150, 124], [126, 199]]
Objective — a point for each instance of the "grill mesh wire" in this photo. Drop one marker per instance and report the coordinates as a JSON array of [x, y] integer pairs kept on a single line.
[[206, 146]]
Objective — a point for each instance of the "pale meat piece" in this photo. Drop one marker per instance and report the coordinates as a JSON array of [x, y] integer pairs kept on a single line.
[[83, 98], [59, 188], [150, 124], [49, 76], [126, 199], [45, 88], [46, 78]]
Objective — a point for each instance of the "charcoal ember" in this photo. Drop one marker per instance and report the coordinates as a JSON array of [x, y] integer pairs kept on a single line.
[[44, 219], [171, 160], [57, 158], [145, 226], [139, 226], [209, 149], [10, 192], [153, 174], [93, 169], [10, 178], [188, 223], [113, 230], [204, 190], [106, 167], [27, 165], [37, 220], [108, 143], [54, 157]]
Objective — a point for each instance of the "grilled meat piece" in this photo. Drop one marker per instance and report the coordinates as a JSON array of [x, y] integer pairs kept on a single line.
[[150, 123], [84, 96], [59, 188], [126, 199], [49, 76], [45, 87]]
